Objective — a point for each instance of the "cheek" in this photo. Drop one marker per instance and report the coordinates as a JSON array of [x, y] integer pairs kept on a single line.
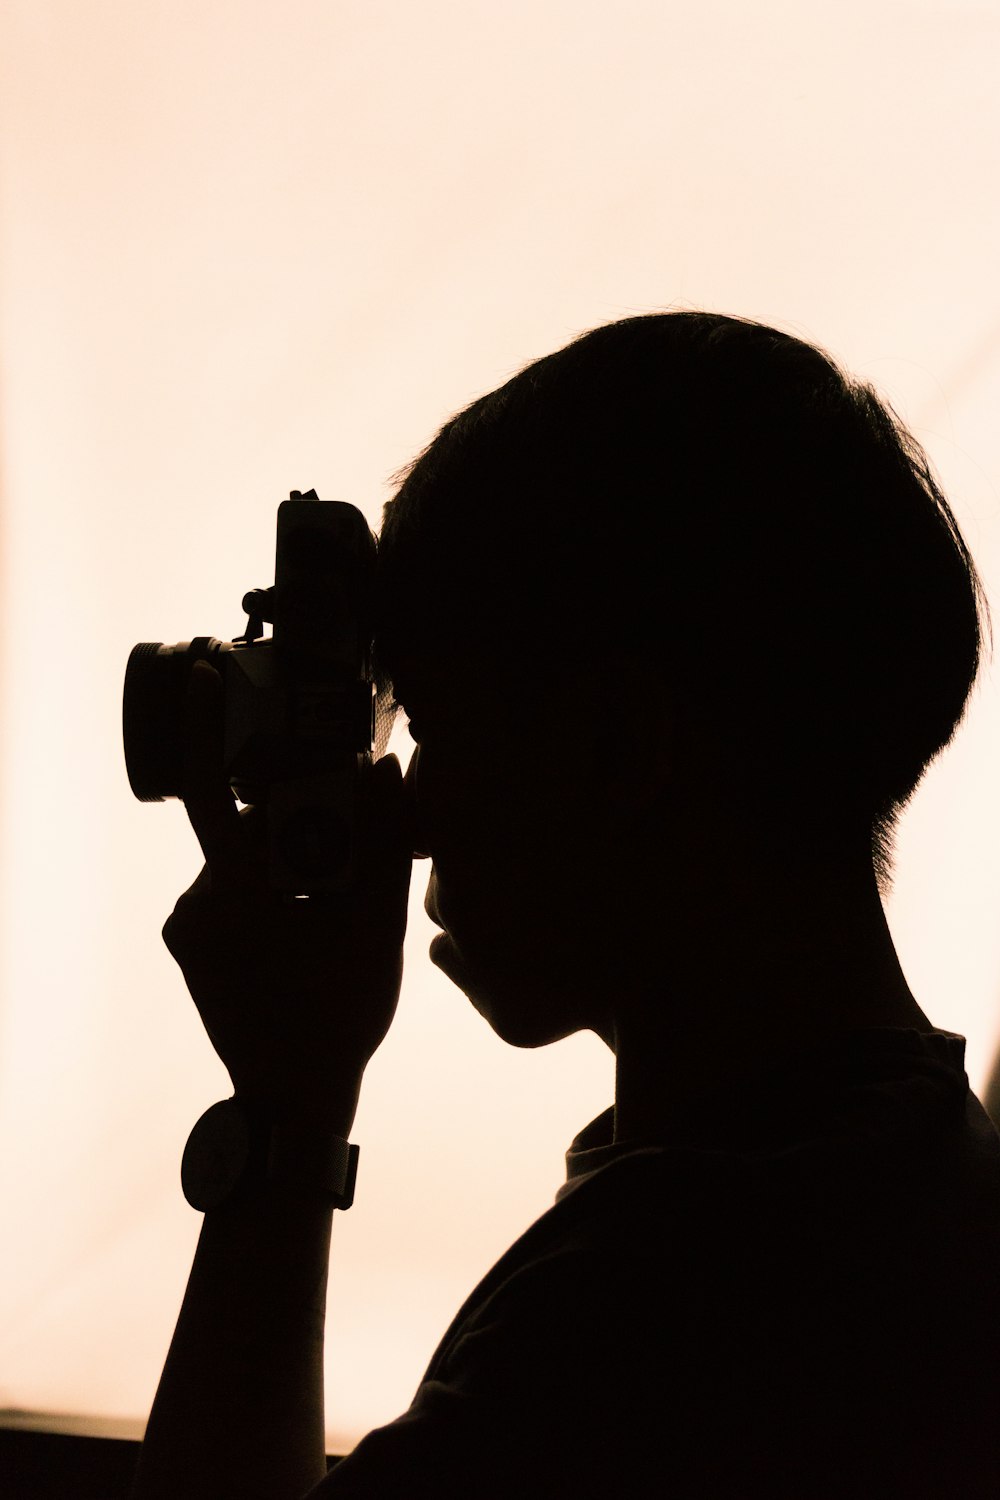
[[452, 800], [479, 799]]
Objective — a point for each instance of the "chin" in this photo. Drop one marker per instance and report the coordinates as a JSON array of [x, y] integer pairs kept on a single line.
[[505, 1003], [527, 1039]]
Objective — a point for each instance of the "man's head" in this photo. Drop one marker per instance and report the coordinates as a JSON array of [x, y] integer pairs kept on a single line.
[[720, 560]]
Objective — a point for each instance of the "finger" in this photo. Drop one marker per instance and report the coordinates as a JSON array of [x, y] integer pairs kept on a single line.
[[388, 842], [208, 797], [173, 927]]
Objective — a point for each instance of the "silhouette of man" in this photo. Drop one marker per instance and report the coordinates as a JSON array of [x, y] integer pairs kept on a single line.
[[679, 616]]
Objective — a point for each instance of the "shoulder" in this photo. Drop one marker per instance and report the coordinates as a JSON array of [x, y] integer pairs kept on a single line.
[[679, 1312]]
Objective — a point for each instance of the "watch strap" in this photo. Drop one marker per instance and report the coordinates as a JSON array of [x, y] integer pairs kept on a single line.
[[305, 1158], [238, 1142]]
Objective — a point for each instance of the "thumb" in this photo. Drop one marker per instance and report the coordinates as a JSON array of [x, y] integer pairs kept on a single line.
[[387, 837]]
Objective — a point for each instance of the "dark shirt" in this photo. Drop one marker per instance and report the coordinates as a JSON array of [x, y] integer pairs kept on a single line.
[[803, 1305]]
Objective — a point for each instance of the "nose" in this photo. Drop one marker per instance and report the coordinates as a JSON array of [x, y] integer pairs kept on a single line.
[[418, 840]]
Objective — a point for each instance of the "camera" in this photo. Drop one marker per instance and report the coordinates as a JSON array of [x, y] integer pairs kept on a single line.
[[302, 717]]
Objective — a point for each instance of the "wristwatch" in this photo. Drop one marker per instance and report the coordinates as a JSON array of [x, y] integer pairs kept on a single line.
[[237, 1144]]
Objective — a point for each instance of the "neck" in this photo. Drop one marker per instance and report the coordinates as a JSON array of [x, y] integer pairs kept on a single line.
[[751, 965]]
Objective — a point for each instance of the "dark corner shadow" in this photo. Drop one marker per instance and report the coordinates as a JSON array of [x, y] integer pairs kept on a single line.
[[42, 1465], [38, 1465]]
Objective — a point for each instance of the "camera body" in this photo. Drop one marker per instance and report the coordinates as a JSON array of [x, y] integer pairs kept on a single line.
[[301, 715]]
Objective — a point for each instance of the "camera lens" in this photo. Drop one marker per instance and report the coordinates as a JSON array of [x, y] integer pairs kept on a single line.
[[152, 712]]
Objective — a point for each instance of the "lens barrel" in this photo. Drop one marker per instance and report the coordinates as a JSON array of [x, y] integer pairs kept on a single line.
[[156, 679]]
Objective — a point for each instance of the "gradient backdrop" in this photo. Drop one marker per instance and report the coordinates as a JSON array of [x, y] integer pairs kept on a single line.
[[254, 247]]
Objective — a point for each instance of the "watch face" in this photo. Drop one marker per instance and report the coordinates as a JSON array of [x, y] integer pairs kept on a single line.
[[216, 1155]]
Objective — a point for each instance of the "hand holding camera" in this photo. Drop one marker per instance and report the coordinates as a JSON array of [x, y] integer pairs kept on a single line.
[[290, 940], [296, 993]]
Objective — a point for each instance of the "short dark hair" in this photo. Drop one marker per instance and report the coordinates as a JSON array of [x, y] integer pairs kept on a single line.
[[721, 500]]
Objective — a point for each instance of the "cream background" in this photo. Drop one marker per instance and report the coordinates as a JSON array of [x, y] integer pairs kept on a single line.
[[252, 247]]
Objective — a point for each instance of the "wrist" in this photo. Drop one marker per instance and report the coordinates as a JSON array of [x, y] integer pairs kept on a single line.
[[329, 1110], [248, 1146]]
